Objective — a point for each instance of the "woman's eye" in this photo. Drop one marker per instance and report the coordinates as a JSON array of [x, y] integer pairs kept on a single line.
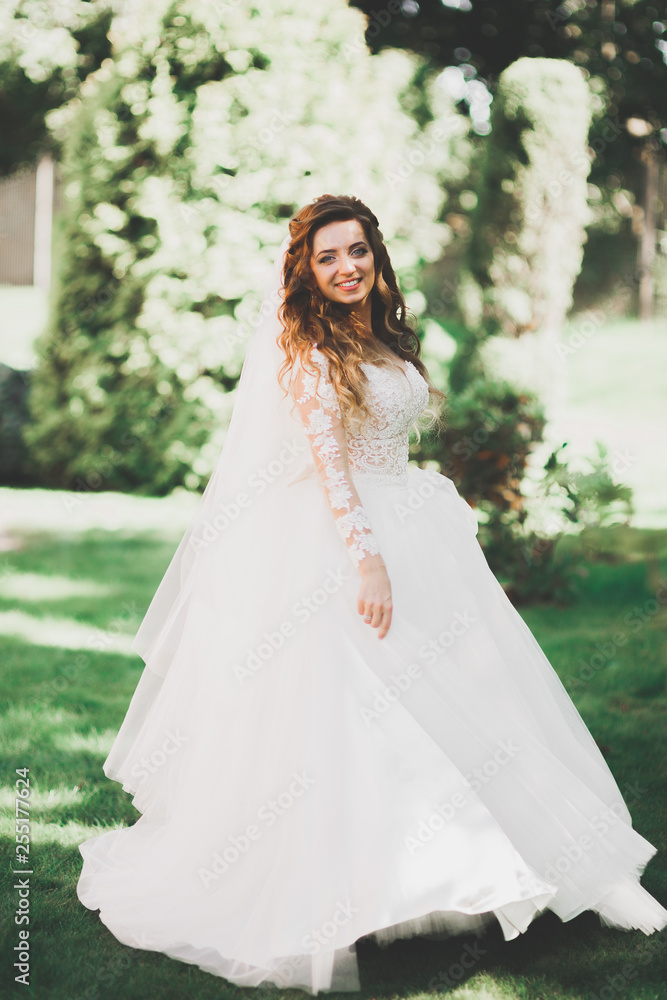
[[359, 251]]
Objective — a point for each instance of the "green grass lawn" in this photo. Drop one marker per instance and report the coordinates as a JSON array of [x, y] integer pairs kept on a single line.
[[71, 597]]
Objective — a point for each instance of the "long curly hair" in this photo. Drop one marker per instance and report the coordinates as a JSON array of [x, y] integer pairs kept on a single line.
[[308, 317]]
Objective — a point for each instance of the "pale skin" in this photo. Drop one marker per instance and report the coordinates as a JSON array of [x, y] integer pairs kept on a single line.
[[343, 267]]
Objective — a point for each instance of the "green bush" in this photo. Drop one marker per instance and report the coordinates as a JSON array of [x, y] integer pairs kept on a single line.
[[491, 430], [534, 566], [106, 409], [15, 466]]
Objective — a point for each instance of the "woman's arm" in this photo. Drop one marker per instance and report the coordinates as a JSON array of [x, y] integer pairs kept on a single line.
[[318, 407]]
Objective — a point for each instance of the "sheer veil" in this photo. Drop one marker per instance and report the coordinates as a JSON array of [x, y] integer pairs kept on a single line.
[[265, 450]]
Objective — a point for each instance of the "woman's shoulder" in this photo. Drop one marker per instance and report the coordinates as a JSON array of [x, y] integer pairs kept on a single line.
[[311, 361], [314, 353]]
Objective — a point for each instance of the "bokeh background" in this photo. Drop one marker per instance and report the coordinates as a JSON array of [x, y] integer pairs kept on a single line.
[[151, 156]]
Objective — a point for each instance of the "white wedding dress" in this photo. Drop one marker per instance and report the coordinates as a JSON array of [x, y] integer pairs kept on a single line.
[[303, 783]]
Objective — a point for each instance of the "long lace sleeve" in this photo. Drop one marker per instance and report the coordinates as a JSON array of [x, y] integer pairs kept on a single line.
[[318, 407]]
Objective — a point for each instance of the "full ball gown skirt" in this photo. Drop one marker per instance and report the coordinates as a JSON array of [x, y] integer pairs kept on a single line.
[[304, 784]]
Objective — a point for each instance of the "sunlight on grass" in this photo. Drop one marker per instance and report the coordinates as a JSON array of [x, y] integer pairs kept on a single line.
[[39, 800], [21, 726], [35, 587], [611, 370], [92, 742], [609, 387], [483, 986], [612, 393], [67, 512], [62, 633], [69, 834]]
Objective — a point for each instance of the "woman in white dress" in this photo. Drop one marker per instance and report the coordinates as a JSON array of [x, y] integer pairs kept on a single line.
[[344, 728]]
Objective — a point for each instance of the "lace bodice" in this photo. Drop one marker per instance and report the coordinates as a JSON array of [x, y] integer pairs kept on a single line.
[[377, 449]]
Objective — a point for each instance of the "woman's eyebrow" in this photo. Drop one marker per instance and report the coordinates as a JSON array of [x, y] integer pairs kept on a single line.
[[351, 247]]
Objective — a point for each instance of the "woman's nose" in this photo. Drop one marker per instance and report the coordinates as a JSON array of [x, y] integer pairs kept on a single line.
[[346, 265]]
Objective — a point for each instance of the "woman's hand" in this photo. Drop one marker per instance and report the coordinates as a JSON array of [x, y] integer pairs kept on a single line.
[[374, 601]]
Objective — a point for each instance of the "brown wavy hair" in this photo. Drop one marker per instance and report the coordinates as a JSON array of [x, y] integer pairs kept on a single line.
[[308, 317]]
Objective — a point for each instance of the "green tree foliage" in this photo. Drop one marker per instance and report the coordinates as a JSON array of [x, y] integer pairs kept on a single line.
[[46, 51], [528, 226], [184, 157], [619, 46]]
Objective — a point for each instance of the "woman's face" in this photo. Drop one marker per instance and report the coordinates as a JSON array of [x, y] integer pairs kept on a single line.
[[342, 262]]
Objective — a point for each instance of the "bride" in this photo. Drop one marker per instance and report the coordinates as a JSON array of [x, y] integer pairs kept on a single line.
[[343, 728]]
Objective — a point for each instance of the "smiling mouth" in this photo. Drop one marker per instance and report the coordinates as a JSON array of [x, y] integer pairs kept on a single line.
[[349, 284]]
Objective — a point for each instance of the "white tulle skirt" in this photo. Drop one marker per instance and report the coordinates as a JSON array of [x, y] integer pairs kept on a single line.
[[303, 783]]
